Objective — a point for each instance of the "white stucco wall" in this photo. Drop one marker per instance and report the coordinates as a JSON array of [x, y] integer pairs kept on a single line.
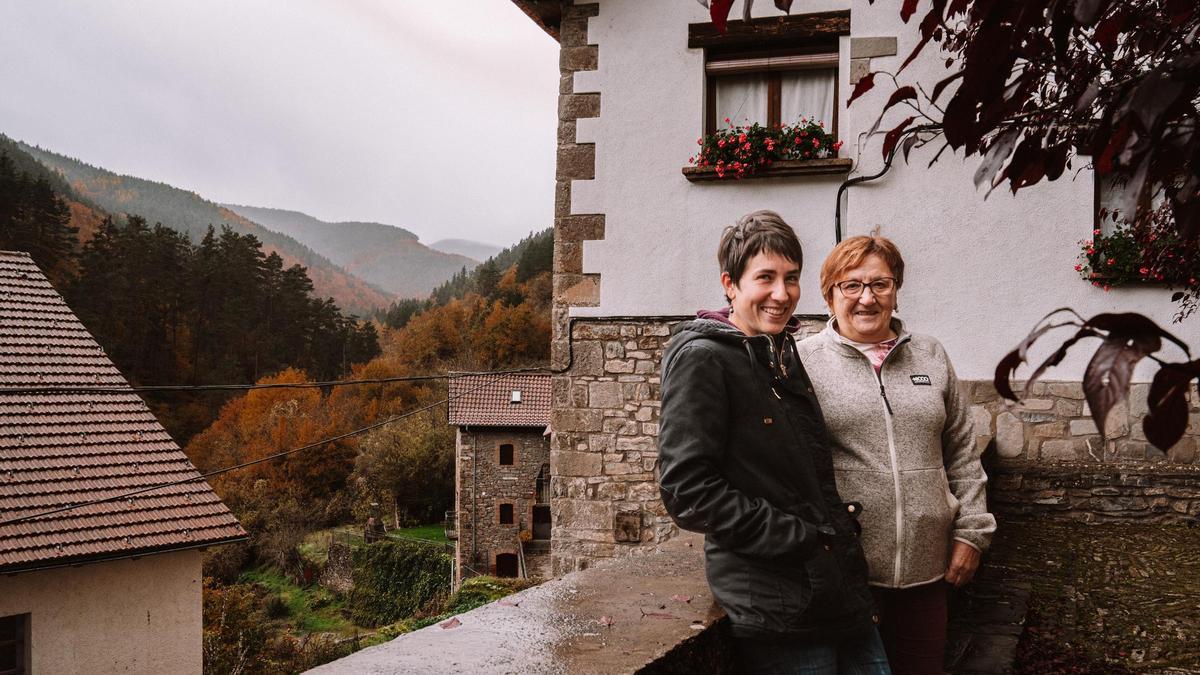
[[980, 273], [125, 616]]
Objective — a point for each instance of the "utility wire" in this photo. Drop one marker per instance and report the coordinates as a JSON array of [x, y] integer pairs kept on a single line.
[[71, 389], [315, 444]]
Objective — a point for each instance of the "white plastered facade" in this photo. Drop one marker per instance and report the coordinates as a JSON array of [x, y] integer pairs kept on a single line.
[[980, 272]]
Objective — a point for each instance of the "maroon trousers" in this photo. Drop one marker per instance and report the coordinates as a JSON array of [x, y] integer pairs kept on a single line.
[[913, 627]]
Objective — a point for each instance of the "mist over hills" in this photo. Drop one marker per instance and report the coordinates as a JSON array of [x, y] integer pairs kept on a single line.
[[188, 212], [390, 257], [476, 250]]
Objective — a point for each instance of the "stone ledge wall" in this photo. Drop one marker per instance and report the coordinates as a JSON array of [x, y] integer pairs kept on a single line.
[[1158, 493]]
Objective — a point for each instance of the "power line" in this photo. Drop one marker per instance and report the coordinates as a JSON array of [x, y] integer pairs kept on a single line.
[[315, 444], [71, 389]]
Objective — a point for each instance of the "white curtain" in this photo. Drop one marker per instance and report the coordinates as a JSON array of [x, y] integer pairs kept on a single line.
[[743, 99], [807, 93]]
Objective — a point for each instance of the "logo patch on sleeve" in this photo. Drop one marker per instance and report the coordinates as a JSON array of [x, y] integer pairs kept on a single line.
[[921, 380]]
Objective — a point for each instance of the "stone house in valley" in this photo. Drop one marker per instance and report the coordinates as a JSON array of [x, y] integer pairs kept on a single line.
[[109, 586], [502, 523], [636, 229]]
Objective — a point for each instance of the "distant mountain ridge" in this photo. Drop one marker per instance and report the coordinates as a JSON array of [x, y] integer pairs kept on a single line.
[[476, 250], [390, 257], [188, 212]]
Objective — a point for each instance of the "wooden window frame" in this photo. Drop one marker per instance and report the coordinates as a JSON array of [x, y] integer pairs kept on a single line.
[[774, 64], [777, 43]]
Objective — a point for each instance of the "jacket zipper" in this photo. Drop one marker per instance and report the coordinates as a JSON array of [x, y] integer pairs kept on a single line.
[[891, 437], [899, 496]]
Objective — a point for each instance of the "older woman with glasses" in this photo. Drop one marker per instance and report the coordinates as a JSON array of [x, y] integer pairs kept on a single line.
[[903, 447]]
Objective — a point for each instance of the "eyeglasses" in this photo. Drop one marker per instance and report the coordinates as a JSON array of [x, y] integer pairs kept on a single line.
[[854, 288]]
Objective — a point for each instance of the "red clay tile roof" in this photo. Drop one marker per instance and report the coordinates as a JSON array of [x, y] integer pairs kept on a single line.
[[66, 448], [483, 400]]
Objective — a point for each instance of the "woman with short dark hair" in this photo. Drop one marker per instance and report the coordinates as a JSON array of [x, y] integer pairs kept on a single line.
[[745, 459]]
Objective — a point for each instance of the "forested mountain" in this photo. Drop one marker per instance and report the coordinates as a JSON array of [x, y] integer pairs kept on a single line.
[[387, 256], [189, 213], [475, 250], [168, 311]]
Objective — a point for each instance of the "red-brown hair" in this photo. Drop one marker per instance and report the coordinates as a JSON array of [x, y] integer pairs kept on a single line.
[[851, 253]]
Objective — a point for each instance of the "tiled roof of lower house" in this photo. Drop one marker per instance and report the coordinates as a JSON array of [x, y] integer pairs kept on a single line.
[[59, 449], [486, 400]]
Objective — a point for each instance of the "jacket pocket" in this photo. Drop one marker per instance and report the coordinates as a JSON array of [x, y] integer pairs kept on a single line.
[[929, 511]]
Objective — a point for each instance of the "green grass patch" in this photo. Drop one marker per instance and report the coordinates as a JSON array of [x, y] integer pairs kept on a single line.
[[434, 532], [310, 610]]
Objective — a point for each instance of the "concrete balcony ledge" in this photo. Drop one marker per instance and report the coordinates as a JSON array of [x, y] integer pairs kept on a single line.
[[651, 613]]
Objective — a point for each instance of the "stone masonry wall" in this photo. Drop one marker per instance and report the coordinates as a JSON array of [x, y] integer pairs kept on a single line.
[[604, 448], [1046, 456], [483, 484]]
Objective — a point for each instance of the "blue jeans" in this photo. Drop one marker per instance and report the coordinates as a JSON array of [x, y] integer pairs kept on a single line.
[[863, 655]]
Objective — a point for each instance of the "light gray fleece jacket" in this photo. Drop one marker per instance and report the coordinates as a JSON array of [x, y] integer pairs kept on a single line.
[[904, 448]]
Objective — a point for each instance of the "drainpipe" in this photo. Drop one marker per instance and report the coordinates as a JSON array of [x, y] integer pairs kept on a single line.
[[474, 500], [887, 165]]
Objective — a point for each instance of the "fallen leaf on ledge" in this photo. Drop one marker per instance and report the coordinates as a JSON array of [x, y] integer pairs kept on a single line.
[[452, 623], [681, 598], [606, 621]]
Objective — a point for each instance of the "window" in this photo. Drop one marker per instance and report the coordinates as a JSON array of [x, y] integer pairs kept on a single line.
[[506, 514], [772, 88], [14, 645], [1107, 198], [507, 454], [507, 565]]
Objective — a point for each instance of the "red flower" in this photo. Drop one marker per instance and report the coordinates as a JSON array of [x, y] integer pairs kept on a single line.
[[721, 143], [741, 138], [1112, 261], [837, 146], [816, 143], [1091, 251], [1143, 271], [1079, 268]]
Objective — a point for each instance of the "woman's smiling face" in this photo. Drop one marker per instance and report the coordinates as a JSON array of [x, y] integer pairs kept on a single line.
[[868, 317], [764, 299]]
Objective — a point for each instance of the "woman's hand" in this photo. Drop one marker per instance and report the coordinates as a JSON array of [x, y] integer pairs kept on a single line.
[[964, 560]]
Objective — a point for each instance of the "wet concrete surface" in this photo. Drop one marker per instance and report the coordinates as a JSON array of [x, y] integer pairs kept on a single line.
[[619, 616]]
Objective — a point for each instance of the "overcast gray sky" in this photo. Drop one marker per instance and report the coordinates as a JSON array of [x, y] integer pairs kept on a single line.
[[435, 115]]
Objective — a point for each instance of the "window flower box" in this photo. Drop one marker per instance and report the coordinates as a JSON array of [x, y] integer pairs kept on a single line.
[[755, 151]]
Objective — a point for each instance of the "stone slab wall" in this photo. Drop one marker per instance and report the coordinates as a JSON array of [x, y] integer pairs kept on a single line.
[[483, 484], [604, 446], [1047, 457]]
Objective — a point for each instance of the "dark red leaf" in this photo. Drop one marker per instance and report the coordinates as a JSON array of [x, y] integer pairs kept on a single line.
[[1058, 355], [902, 94], [907, 10], [1087, 11], [941, 86], [1056, 160], [908, 143], [1176, 296], [863, 86], [889, 141], [1135, 326], [957, 7], [997, 153], [784, 5], [1004, 372], [929, 24], [1167, 418], [1106, 380], [719, 11]]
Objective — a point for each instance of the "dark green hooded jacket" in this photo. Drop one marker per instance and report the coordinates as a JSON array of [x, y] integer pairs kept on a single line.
[[744, 458]]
